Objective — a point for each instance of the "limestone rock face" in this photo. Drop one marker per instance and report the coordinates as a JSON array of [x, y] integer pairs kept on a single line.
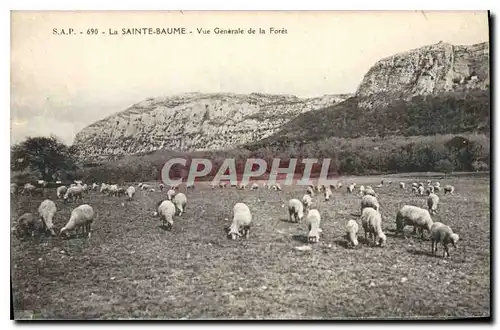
[[427, 70], [193, 121]]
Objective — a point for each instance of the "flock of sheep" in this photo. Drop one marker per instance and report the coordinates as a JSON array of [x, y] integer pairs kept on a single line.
[[83, 216]]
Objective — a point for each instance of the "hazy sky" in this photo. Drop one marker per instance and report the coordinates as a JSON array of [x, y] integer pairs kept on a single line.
[[60, 84]]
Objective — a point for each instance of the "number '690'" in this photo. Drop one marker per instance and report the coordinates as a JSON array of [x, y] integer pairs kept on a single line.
[[92, 31]]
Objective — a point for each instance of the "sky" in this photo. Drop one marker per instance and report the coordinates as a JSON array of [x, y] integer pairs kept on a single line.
[[62, 83]]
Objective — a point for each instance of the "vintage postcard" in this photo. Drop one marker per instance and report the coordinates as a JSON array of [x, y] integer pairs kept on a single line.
[[209, 165]]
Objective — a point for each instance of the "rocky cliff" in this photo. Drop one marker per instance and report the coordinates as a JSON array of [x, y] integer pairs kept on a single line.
[[431, 69], [193, 121]]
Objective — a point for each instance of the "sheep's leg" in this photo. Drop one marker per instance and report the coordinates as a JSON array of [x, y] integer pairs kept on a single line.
[[446, 251], [89, 229], [247, 233], [432, 247]]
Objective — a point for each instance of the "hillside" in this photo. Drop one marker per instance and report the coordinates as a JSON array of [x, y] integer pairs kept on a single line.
[[192, 122], [447, 113]]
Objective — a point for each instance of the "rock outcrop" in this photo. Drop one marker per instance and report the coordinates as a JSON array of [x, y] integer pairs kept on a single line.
[[431, 69], [193, 121]]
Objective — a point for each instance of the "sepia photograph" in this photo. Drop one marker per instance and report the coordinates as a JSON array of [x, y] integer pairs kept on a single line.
[[250, 165]]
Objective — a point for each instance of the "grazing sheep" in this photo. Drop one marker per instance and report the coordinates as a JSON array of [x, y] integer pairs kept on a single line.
[[13, 188], [421, 190], [429, 190], [352, 233], [313, 220], [296, 210], [339, 185], [437, 184], [73, 193], [161, 186], [362, 190], [437, 188], [449, 189], [152, 190], [310, 191], [277, 187], [81, 217], [140, 185], [28, 224], [222, 185], [104, 188], [120, 192], [328, 193], [414, 184], [255, 186], [180, 202], [146, 187], [94, 186], [166, 211], [402, 185], [61, 191], [319, 188], [306, 200], [417, 217], [28, 189], [432, 203], [369, 201], [242, 186], [190, 186], [372, 225], [420, 184], [174, 187], [379, 185], [46, 211], [350, 188], [130, 192], [170, 194], [443, 234], [429, 182], [85, 188], [242, 219], [370, 191], [113, 190], [414, 190]]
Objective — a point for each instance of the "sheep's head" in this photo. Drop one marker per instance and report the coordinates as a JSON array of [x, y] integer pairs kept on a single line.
[[63, 232], [454, 240], [382, 239], [313, 236]]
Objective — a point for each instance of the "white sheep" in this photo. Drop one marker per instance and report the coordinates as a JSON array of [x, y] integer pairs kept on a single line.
[[449, 189], [146, 187], [81, 217], [170, 194], [222, 185], [350, 188], [130, 192], [362, 190], [339, 185], [140, 185], [443, 234], [421, 190], [370, 191], [242, 186], [369, 201], [161, 186], [276, 187], [313, 221], [352, 233], [296, 210], [73, 193], [432, 203], [61, 191], [429, 190], [104, 188], [402, 185], [429, 182], [28, 188], [328, 193], [255, 185], [190, 186], [414, 184], [242, 220], [414, 190], [310, 191], [415, 216], [94, 186], [420, 184], [306, 200], [85, 188], [319, 188], [437, 184], [437, 188], [372, 225], [180, 202], [46, 211], [28, 223], [166, 211]]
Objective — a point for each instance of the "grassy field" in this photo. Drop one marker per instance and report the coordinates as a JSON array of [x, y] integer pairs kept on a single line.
[[131, 268]]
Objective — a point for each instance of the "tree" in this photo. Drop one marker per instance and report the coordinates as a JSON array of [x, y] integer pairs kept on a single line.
[[45, 155]]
